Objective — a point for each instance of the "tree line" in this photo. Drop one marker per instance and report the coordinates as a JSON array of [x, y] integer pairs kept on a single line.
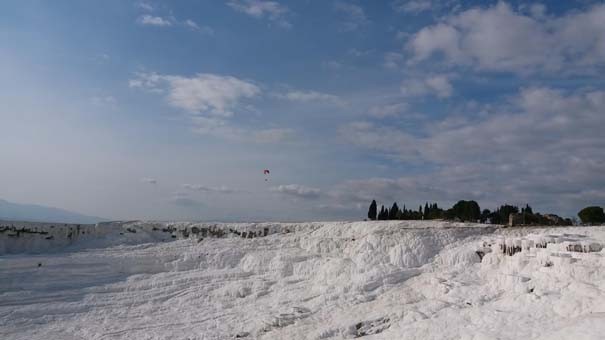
[[394, 213], [469, 211]]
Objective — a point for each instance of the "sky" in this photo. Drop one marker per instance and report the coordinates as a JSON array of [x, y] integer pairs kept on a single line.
[[173, 109]]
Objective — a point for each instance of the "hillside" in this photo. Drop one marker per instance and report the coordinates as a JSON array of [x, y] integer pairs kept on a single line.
[[10, 211], [337, 280]]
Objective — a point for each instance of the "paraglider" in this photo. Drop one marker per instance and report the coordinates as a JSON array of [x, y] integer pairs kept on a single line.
[[266, 172]]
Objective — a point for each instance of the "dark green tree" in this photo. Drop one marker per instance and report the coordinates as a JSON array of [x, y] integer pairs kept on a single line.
[[372, 211], [435, 212], [383, 214], [527, 210], [592, 215], [394, 211], [465, 211], [504, 212], [485, 215], [500, 215]]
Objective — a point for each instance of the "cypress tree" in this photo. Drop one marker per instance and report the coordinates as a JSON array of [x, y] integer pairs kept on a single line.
[[393, 212], [381, 215], [528, 209], [426, 211], [372, 211]]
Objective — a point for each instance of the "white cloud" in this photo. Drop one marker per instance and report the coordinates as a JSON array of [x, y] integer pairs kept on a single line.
[[499, 39], [145, 6], [297, 190], [547, 151], [402, 35], [545, 118], [210, 101], [221, 128], [104, 101], [412, 6], [183, 200], [149, 180], [332, 65], [272, 135], [154, 21], [272, 10], [159, 21], [203, 188], [438, 38], [339, 209], [409, 191], [210, 94], [390, 110], [359, 53], [204, 94], [392, 60], [192, 25], [441, 85], [214, 126], [384, 139], [102, 58], [355, 16], [537, 11], [312, 96], [438, 85]]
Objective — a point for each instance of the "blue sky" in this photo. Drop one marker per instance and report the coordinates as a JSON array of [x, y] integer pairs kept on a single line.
[[166, 110]]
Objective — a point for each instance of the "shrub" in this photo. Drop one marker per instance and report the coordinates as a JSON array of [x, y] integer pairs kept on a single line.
[[592, 215]]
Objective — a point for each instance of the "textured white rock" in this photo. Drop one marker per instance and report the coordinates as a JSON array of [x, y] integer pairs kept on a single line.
[[379, 280]]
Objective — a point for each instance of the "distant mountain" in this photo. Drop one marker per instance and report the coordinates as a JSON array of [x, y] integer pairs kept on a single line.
[[37, 213]]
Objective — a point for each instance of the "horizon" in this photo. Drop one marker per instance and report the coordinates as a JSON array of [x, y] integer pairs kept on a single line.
[[172, 111], [77, 218]]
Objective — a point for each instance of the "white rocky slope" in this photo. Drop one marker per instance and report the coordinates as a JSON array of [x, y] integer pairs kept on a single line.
[[375, 280]]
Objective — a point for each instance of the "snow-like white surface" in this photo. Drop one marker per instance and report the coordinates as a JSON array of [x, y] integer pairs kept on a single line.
[[375, 280]]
